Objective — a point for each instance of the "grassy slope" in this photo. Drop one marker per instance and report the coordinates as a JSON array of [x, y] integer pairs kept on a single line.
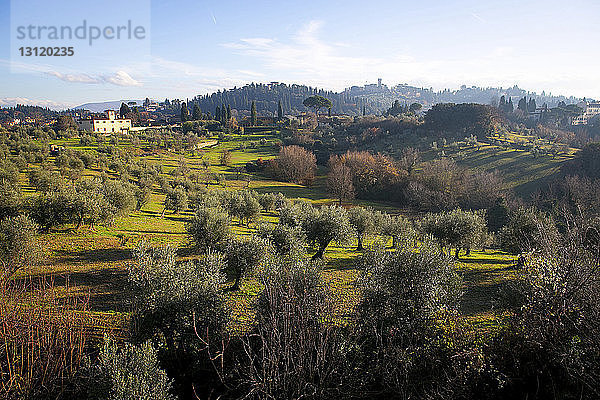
[[521, 170], [94, 263]]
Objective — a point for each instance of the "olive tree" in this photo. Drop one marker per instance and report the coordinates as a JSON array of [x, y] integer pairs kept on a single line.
[[325, 224], [11, 200], [397, 227], [18, 244], [244, 255], [459, 229], [267, 201], [175, 300], [285, 239], [176, 200], [363, 222], [244, 205], [120, 197], [210, 227], [51, 209]]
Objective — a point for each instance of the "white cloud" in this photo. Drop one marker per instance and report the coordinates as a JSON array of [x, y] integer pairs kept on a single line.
[[76, 78], [119, 78]]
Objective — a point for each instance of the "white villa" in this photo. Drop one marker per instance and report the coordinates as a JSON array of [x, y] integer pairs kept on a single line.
[[590, 110], [106, 124]]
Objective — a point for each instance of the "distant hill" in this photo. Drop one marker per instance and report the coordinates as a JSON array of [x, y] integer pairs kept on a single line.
[[374, 98], [106, 105]]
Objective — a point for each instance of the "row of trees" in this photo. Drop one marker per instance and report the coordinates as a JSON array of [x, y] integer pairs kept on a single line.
[[295, 348], [405, 339]]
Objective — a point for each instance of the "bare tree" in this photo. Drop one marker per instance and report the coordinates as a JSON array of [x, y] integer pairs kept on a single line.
[[339, 179]]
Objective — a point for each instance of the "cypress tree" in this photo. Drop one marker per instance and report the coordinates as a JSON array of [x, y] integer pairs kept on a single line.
[[279, 110], [124, 110], [253, 113], [185, 115], [197, 113], [228, 112], [218, 113]]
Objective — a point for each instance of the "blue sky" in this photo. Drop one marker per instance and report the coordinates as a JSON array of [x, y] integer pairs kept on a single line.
[[197, 47]]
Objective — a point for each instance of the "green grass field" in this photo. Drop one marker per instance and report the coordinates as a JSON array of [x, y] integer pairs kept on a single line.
[[94, 263]]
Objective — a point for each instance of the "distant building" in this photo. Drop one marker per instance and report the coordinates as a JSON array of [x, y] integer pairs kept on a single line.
[[108, 123], [590, 110]]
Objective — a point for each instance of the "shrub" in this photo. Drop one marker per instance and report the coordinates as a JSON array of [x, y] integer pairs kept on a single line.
[[404, 292], [443, 185], [522, 232], [129, 373], [42, 341], [552, 345], [293, 351], [374, 176]]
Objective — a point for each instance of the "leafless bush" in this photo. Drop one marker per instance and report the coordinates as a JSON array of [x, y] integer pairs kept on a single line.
[[42, 341], [295, 164]]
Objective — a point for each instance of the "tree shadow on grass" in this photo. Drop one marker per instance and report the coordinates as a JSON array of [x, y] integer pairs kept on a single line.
[[339, 264], [293, 191], [105, 289], [480, 299], [178, 217], [486, 261], [111, 254]]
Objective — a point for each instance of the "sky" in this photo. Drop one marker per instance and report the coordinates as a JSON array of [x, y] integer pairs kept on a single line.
[[197, 47]]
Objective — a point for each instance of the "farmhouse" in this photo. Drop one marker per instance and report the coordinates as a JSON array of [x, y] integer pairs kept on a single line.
[[108, 123], [590, 111]]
